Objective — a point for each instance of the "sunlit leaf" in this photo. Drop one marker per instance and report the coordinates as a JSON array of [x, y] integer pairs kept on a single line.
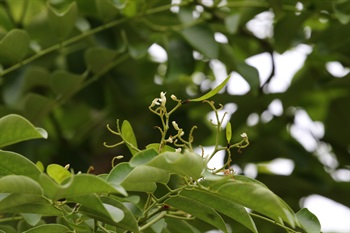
[[212, 92], [15, 128], [308, 220], [187, 164], [57, 172]]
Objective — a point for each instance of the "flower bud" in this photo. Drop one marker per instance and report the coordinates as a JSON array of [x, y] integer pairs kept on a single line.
[[244, 135], [175, 125]]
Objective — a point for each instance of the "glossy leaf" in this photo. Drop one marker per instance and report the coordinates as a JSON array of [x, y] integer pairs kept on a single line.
[[14, 46], [187, 164], [143, 157], [212, 92], [78, 185], [19, 184], [309, 221], [52, 228], [57, 172], [16, 164], [15, 128], [198, 210], [129, 136], [222, 205], [258, 198], [141, 178]]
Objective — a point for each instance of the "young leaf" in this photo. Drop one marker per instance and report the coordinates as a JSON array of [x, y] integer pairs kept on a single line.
[[57, 172], [228, 132], [15, 128], [212, 92], [309, 221], [129, 137]]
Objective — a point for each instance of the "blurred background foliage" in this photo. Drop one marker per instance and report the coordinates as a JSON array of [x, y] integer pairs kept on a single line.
[[73, 66]]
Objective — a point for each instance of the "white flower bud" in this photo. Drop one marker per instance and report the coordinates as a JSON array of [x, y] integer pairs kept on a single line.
[[162, 98], [178, 150], [155, 102], [173, 97], [175, 125], [244, 135]]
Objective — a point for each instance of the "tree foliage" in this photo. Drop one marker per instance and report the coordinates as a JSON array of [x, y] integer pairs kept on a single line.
[[74, 66]]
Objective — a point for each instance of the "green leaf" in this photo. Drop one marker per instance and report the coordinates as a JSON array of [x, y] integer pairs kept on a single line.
[[25, 203], [36, 106], [143, 157], [65, 84], [228, 132], [15, 128], [98, 58], [62, 22], [258, 198], [128, 222], [222, 205], [187, 164], [129, 137], [19, 184], [58, 173], [142, 178], [78, 185], [232, 23], [250, 74], [287, 29], [52, 228], [156, 146], [14, 46], [309, 221], [212, 92], [31, 219], [202, 39], [198, 210], [16, 164]]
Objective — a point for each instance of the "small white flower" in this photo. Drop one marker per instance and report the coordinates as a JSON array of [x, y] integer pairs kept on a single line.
[[178, 150], [162, 98], [155, 102], [175, 125], [170, 139], [244, 135]]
